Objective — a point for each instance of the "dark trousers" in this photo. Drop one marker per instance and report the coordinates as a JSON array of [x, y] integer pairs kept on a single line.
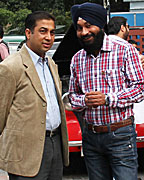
[[52, 165]]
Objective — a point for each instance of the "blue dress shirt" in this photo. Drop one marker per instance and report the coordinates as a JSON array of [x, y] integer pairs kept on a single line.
[[53, 118]]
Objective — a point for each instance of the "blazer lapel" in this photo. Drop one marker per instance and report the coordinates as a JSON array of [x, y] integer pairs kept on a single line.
[[32, 73], [53, 69]]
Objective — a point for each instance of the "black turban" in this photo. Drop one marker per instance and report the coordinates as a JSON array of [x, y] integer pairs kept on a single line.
[[93, 13]]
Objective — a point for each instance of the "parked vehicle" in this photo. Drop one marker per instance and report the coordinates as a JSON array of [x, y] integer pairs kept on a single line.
[[13, 42]]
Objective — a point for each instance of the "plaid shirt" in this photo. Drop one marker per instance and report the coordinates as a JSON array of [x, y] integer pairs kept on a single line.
[[117, 72]]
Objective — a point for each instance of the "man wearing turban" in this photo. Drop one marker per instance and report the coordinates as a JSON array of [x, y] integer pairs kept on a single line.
[[106, 80]]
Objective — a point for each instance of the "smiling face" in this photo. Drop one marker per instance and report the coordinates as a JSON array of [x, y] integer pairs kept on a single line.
[[90, 36], [41, 39]]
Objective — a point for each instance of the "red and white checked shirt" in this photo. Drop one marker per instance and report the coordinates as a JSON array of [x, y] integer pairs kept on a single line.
[[117, 72]]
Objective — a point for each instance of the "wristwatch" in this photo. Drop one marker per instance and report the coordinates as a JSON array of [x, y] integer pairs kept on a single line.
[[106, 100]]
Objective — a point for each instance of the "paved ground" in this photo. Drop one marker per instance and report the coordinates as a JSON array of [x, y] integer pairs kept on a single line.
[[76, 170], [4, 176]]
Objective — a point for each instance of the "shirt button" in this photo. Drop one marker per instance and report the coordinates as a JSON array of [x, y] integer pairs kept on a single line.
[[44, 105], [130, 146], [5, 160]]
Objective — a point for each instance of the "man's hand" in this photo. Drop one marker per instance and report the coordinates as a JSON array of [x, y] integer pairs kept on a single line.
[[95, 99]]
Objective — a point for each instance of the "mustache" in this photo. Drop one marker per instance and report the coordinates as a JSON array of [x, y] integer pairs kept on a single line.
[[87, 36]]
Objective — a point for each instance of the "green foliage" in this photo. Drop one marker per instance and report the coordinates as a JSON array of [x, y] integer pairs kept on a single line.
[[15, 5], [19, 19], [13, 12], [6, 17]]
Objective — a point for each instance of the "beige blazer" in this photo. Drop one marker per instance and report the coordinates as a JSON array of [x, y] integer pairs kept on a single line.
[[23, 115]]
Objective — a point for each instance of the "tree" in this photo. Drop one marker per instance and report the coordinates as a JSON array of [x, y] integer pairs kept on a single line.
[[6, 17], [19, 19], [13, 12], [15, 5]]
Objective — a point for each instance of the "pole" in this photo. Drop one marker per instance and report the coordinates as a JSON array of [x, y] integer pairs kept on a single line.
[[108, 10], [104, 4]]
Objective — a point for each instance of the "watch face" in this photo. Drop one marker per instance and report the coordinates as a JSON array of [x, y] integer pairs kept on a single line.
[[107, 101]]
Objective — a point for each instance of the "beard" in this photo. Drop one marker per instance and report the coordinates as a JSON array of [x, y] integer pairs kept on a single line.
[[92, 46], [126, 35]]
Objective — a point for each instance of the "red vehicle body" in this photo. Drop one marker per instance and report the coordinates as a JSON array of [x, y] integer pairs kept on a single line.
[[140, 135], [74, 132]]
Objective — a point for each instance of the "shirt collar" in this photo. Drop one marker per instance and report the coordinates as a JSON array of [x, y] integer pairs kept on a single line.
[[35, 58], [33, 55], [117, 38], [107, 44]]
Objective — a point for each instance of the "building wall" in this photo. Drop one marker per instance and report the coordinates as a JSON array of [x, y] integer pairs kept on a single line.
[[134, 18], [136, 5]]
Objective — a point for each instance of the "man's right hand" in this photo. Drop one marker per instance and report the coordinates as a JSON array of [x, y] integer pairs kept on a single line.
[[95, 99]]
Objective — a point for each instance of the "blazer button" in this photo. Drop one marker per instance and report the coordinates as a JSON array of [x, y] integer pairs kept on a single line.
[[5, 160], [42, 121], [44, 105], [41, 138]]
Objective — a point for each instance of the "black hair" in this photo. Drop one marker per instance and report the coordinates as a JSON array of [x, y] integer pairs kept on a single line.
[[1, 31], [31, 19], [131, 41], [115, 23]]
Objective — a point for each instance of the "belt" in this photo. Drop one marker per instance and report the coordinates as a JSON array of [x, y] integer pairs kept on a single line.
[[51, 133], [109, 127]]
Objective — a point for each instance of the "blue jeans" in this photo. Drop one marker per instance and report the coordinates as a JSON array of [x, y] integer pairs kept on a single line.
[[112, 154]]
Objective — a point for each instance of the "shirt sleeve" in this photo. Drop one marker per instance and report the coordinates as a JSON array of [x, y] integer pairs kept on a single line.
[[134, 90], [76, 96], [7, 90], [3, 51]]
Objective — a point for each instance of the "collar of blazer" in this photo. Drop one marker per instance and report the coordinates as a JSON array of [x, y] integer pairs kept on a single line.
[[32, 73], [54, 71]]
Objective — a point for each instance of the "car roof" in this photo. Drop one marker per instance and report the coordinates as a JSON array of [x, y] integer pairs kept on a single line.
[[13, 38]]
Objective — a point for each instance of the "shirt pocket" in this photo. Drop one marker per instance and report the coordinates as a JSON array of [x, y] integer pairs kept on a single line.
[[114, 79], [11, 145]]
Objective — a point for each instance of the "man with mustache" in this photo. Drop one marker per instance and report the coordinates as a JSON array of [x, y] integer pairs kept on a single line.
[[33, 131], [106, 80]]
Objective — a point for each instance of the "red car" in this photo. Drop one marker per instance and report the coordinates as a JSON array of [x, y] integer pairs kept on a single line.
[[74, 132], [73, 126]]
